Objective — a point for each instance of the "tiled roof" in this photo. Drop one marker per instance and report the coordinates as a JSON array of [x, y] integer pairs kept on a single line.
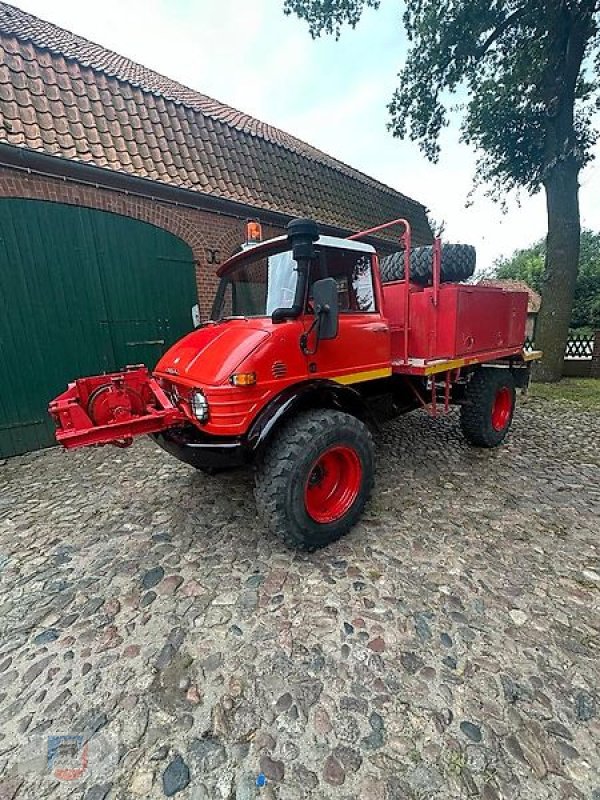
[[68, 97]]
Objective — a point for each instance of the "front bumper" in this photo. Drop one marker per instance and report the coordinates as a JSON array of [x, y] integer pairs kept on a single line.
[[203, 451]]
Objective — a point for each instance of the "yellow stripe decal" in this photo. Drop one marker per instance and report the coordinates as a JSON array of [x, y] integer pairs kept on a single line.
[[532, 355], [455, 363], [370, 375], [443, 366]]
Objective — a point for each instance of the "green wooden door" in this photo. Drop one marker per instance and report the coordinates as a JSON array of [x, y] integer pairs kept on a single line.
[[81, 292]]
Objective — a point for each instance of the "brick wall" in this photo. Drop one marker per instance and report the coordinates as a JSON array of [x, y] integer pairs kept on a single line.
[[210, 236]]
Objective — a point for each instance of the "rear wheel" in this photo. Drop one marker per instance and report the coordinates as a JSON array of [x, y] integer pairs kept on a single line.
[[489, 406], [315, 478]]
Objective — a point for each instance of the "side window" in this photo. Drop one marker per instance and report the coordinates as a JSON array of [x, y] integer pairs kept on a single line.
[[354, 277]]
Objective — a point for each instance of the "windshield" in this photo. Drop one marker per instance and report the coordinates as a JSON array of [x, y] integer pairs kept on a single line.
[[257, 286]]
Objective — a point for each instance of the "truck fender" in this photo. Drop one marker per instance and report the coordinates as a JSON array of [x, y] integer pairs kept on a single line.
[[301, 397]]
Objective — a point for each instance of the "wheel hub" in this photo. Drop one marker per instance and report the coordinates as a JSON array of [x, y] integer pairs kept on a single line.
[[333, 484], [502, 408]]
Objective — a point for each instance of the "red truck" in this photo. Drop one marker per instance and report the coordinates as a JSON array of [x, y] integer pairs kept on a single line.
[[313, 342]]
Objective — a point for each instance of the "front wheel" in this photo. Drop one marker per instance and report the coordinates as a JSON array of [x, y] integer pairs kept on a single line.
[[489, 405], [315, 478]]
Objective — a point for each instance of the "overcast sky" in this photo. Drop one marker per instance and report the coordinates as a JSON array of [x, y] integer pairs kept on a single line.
[[332, 94]]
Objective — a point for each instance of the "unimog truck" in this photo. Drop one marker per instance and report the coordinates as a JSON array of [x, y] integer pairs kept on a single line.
[[313, 343]]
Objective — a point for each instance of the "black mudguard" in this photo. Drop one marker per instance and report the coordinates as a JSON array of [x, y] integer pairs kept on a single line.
[[301, 397]]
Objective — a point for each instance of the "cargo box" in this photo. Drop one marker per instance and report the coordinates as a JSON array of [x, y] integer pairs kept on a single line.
[[467, 320]]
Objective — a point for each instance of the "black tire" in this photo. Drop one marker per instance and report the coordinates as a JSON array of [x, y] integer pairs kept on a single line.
[[458, 264], [290, 462], [480, 421]]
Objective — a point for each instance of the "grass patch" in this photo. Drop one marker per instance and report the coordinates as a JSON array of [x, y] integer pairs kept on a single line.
[[583, 391]]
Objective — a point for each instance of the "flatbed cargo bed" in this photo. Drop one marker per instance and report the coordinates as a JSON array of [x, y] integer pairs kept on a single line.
[[416, 366]]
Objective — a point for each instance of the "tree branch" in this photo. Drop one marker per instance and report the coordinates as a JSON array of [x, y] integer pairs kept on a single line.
[[499, 30]]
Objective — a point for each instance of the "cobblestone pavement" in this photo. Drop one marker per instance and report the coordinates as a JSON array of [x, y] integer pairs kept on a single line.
[[447, 648]]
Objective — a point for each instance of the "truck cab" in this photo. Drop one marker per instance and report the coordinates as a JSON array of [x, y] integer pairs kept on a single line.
[[263, 338]]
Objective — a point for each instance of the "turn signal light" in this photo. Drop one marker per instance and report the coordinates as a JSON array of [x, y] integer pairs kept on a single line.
[[243, 379]]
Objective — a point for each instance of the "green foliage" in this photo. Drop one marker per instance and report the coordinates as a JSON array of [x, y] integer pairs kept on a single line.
[[519, 62], [595, 313], [586, 309], [525, 75], [329, 16], [528, 265]]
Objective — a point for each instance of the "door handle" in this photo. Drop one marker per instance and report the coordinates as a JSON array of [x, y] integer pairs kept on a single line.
[[380, 329]]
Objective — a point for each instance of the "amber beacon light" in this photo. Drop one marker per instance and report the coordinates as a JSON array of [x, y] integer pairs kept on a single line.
[[253, 232]]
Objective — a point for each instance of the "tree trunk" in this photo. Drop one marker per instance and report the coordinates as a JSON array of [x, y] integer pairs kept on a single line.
[[562, 265]]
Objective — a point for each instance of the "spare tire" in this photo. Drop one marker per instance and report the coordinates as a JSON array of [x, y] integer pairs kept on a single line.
[[458, 264]]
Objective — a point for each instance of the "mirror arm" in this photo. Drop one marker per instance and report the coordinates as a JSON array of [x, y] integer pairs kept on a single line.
[[305, 336]]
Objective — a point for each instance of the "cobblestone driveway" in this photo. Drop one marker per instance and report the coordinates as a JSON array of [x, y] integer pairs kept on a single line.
[[448, 648]]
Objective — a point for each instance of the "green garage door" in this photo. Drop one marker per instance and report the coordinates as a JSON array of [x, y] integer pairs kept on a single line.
[[81, 292]]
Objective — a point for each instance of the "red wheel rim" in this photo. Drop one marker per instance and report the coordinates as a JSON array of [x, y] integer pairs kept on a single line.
[[502, 408], [333, 484]]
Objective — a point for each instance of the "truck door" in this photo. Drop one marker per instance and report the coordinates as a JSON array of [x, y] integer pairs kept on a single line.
[[362, 349]]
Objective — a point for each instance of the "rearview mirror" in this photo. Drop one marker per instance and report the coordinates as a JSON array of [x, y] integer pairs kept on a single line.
[[325, 301]]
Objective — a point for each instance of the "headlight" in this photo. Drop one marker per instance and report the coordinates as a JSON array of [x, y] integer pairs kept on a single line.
[[199, 406]]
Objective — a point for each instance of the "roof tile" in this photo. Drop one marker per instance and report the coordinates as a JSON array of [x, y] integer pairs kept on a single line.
[[74, 98]]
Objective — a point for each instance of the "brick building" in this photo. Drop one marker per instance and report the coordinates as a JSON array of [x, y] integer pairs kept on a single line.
[[120, 193]]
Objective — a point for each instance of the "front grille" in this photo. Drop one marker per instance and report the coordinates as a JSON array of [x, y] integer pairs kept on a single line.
[[174, 392]]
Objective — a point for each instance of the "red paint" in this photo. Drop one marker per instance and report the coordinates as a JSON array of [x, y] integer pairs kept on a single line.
[[333, 484], [467, 320], [237, 345], [122, 405], [410, 328], [405, 241], [437, 269], [502, 409], [212, 353], [362, 344]]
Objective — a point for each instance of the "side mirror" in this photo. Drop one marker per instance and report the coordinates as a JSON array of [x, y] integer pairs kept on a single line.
[[325, 300]]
